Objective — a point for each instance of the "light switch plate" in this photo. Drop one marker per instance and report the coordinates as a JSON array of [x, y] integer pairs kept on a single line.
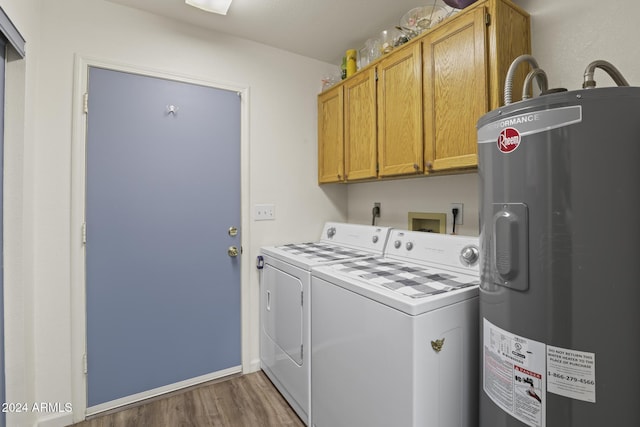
[[264, 212]]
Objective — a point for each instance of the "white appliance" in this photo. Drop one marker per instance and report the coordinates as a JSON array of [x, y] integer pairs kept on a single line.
[[285, 303], [394, 338]]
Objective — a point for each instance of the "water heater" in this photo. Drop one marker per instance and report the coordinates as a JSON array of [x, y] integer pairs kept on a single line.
[[560, 259]]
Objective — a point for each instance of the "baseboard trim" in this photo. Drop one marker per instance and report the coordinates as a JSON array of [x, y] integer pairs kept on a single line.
[[252, 366], [58, 420]]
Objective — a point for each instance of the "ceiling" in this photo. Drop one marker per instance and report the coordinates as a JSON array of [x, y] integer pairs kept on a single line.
[[320, 29]]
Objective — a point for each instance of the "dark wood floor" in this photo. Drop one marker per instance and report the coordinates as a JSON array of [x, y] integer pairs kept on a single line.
[[248, 400]]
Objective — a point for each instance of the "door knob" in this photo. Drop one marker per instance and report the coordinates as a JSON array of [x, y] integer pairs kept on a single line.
[[232, 251]]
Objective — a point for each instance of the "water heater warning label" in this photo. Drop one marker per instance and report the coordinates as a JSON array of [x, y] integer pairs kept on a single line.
[[514, 370], [571, 373]]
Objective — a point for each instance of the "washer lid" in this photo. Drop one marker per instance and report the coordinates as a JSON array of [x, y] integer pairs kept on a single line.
[[321, 252], [411, 288], [415, 281]]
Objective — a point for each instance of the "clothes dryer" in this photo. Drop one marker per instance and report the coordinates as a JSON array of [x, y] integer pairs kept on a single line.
[[394, 337], [285, 303]]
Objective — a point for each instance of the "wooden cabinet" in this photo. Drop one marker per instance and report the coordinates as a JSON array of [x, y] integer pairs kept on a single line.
[[400, 112], [347, 130], [465, 64], [423, 107], [331, 136], [360, 126], [455, 91]]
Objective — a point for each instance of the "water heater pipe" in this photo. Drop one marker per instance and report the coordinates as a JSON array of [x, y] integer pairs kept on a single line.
[[541, 78], [508, 84], [589, 83]]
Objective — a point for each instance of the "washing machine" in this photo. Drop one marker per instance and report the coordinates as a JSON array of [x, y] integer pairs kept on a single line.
[[394, 337], [285, 302]]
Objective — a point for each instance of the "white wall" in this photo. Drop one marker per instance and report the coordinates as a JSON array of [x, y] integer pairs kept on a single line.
[[566, 36], [282, 159], [282, 150], [19, 212], [425, 194]]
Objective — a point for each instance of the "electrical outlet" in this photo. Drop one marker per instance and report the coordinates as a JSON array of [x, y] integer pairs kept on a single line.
[[264, 212], [460, 212], [377, 205]]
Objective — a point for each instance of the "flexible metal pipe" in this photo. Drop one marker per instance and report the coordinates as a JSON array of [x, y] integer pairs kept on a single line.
[[508, 85], [617, 77], [541, 78]]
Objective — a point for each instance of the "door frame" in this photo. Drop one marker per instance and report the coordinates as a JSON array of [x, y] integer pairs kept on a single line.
[[3, 70], [78, 203]]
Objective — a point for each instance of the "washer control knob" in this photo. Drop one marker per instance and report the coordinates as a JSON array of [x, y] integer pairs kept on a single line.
[[374, 239], [331, 232], [469, 255], [409, 246], [397, 244]]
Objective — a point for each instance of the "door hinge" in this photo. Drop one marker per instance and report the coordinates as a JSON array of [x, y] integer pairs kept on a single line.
[[84, 363], [85, 103], [301, 298], [301, 351], [487, 19], [84, 233]]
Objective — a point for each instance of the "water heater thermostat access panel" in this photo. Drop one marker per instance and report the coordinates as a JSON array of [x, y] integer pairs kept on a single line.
[[511, 245]]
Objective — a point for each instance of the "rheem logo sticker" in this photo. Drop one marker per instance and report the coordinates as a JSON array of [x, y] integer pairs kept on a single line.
[[508, 140]]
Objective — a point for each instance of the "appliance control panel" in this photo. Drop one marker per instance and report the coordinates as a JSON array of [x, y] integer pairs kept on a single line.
[[365, 237], [461, 252]]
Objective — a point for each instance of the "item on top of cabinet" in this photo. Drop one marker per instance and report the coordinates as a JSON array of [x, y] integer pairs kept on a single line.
[[373, 47], [407, 32], [388, 39], [329, 81], [352, 66], [343, 68], [363, 57], [459, 4], [368, 53], [422, 18]]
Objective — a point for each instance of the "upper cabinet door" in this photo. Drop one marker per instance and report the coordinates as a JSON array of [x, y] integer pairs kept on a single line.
[[400, 148], [455, 91], [360, 128], [331, 136]]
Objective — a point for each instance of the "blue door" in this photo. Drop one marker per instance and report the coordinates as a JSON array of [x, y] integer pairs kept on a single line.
[[163, 191]]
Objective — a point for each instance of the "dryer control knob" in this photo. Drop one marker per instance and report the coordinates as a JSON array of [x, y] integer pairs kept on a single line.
[[331, 232], [374, 239], [469, 255], [409, 246], [397, 244]]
